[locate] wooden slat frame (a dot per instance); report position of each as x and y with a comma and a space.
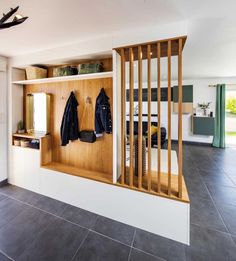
180, 96
123, 119
149, 115
174, 186
169, 117
164, 47
140, 118
131, 115
159, 117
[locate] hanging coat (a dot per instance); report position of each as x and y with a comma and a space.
70, 124
103, 121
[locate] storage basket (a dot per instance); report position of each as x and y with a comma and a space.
65, 71
24, 143
33, 73
85, 68
16, 142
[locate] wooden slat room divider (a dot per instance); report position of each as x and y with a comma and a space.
154, 181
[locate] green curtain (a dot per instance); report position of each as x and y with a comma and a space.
219, 136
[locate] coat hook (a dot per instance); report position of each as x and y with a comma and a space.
88, 100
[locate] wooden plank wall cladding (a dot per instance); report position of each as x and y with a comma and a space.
153, 181
96, 156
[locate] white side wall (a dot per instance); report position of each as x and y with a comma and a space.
201, 93
3, 118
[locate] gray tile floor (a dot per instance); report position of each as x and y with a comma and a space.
34, 227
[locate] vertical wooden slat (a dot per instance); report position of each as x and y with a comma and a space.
149, 115
180, 155
140, 120
169, 117
123, 118
159, 117
131, 115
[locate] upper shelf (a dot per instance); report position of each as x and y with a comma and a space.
67, 78
29, 135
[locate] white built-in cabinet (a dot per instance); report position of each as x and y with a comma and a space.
25, 168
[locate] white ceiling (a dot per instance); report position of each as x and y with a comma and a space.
210, 50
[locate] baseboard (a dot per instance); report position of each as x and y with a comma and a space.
194, 143
3, 183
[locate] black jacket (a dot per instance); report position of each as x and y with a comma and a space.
70, 124
103, 121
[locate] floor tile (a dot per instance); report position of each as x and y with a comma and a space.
17, 235
137, 255
223, 194
210, 245
228, 214
159, 246
230, 168
100, 248
204, 213
216, 177
233, 178
196, 188
10, 190
4, 258
191, 172
79, 216
50, 205
234, 239
9, 209
21, 194
205, 163
2, 197
115, 230
59, 241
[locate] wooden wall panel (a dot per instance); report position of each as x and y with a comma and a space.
97, 156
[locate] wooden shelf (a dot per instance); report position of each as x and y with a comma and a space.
67, 78
25, 148
164, 186
28, 135
94, 175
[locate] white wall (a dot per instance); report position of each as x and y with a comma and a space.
3, 118
201, 93
104, 44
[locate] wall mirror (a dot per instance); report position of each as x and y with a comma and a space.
38, 113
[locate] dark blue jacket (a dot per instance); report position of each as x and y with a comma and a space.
70, 124
103, 121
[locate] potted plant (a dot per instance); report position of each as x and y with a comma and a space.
204, 106
20, 127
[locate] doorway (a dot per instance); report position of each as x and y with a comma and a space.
230, 117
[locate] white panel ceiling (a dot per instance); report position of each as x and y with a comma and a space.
210, 50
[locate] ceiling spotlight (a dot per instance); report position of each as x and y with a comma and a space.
18, 19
